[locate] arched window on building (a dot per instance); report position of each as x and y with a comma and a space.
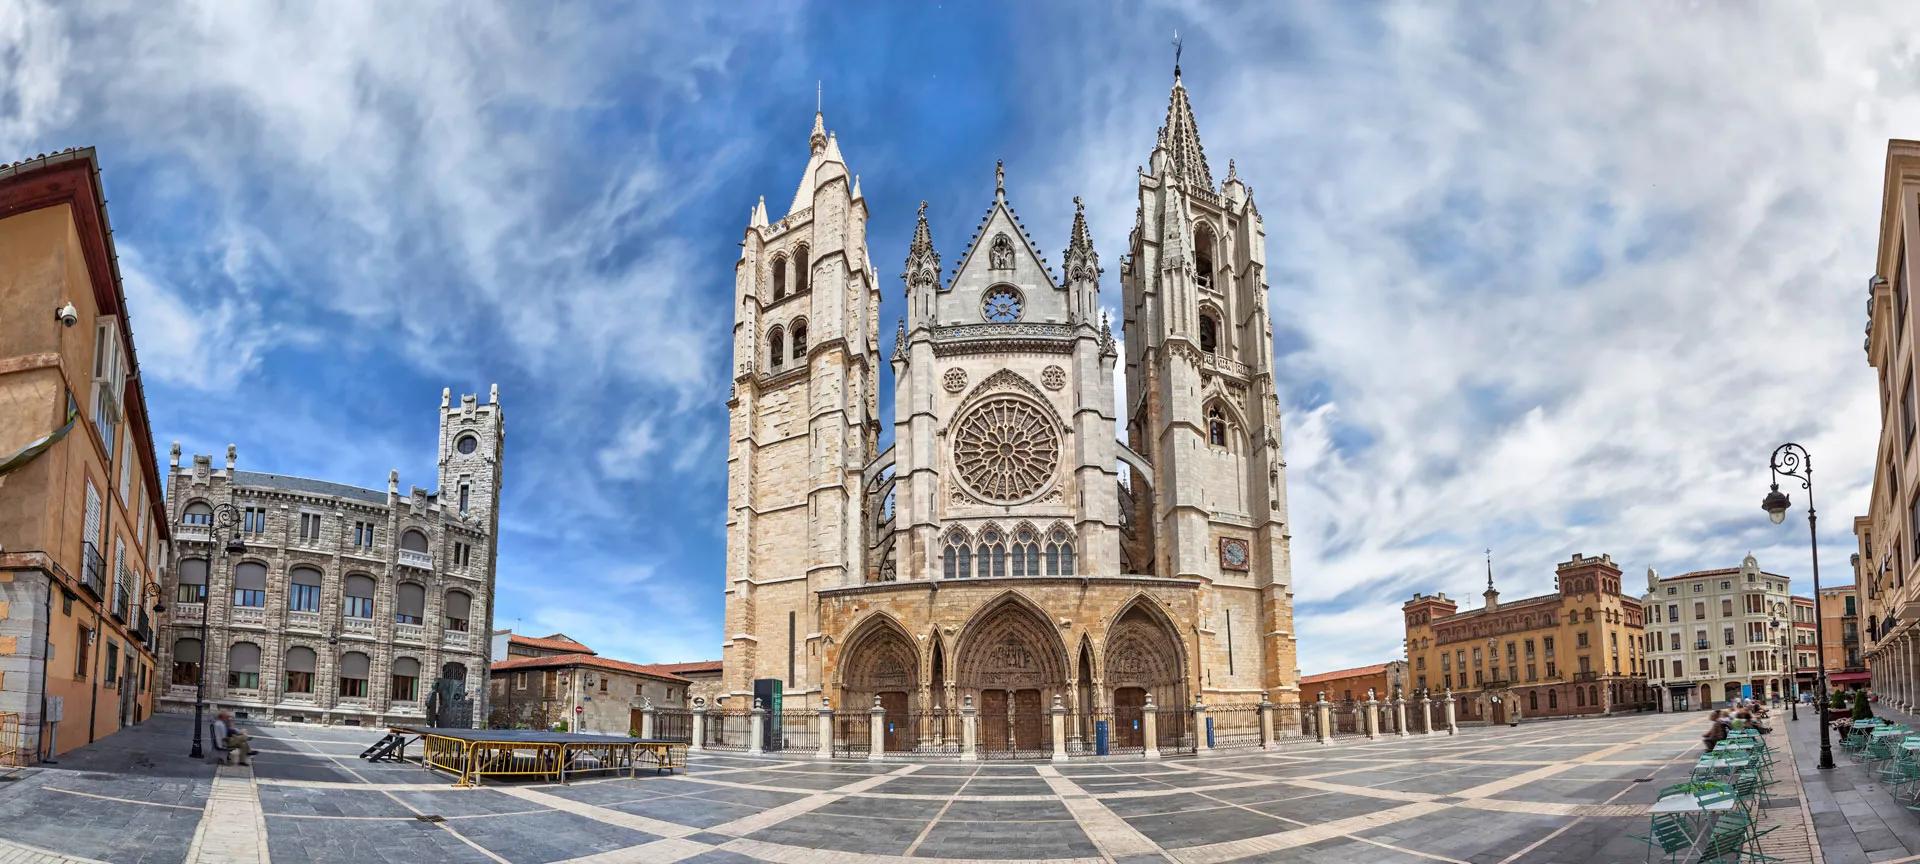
1059, 552
354, 668
406, 679
1026, 552
1553, 700
458, 608
186, 662
1203, 254
1216, 427
193, 582
800, 268
250, 584
992, 552
198, 513
243, 666
359, 597
1593, 695
779, 278
776, 347
1209, 333
300, 670
409, 603
957, 560
1533, 700
303, 590
1579, 698
799, 339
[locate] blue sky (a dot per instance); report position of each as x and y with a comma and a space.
1547, 279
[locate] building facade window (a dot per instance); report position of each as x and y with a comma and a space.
363, 535
186, 662
310, 526
253, 520
359, 597
353, 675
410, 603
459, 606
300, 663
250, 585
243, 666
406, 680
197, 513
303, 590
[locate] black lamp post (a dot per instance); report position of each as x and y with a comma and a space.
1792, 460
226, 517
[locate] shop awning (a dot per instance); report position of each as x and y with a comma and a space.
1850, 677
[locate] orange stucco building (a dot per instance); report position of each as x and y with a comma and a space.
80, 538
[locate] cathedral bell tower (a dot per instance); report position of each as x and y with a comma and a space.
1202, 409
803, 420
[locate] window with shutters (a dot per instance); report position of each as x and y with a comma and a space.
109, 381
410, 603
300, 660
193, 582
459, 605
127, 458
243, 666
359, 597
250, 585
186, 662
405, 679
303, 590
353, 675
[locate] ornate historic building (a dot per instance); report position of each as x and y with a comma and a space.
1577, 651
348, 604
1719, 635
1008, 550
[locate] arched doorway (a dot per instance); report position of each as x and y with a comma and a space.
1706, 696
879, 661
1010, 660
1143, 656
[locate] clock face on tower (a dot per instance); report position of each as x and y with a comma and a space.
1002, 305
1233, 553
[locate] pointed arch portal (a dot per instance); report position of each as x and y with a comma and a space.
1143, 657
881, 663
1011, 662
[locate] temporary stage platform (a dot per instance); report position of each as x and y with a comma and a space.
472, 755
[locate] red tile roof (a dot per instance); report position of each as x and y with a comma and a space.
1357, 671
555, 642
595, 661
697, 666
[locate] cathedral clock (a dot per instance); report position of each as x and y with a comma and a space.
1233, 553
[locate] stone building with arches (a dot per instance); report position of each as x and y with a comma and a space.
1019, 545
348, 604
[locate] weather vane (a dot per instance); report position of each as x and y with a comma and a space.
1176, 52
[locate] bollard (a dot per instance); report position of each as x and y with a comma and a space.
699, 725
1323, 718
1400, 713
1426, 714
1202, 742
1266, 723
1059, 729
757, 728
876, 732
1373, 716
1150, 728
826, 729
969, 733
1453, 725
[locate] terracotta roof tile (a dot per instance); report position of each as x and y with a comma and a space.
1357, 671
555, 642
695, 666
590, 660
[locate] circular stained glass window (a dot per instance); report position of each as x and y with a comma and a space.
1002, 305
1006, 450
467, 443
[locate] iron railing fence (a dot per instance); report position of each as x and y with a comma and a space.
673, 725
1236, 726
934, 734
852, 734
728, 730
797, 730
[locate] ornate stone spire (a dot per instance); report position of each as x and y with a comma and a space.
923, 263
1082, 262
999, 180
759, 217
900, 341
1106, 336
1181, 137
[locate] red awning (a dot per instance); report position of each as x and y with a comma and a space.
1850, 677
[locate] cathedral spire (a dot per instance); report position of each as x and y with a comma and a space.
1082, 262
923, 263
1181, 137
817, 141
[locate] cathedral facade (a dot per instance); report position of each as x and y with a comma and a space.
1009, 550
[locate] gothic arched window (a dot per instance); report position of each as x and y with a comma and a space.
992, 552
776, 347
799, 339
779, 278
1203, 254
1026, 553
800, 269
957, 560
1059, 553
1209, 333
1216, 427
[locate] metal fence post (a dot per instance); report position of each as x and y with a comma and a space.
756, 727
826, 729
1266, 723
1150, 727
877, 732
699, 741
1059, 729
1323, 718
969, 733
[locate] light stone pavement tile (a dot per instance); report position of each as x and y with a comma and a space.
21, 853
603, 814
775, 815
782, 854
1112, 835
232, 829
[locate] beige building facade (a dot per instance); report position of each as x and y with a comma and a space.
1887, 563
1009, 550
1720, 635
348, 605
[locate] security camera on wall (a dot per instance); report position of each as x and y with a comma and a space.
67, 315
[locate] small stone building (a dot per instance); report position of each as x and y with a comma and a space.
591, 693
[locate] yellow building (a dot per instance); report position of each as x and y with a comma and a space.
1578, 651
80, 535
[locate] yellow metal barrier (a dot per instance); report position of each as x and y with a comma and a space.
470, 761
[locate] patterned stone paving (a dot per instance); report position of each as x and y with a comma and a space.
1547, 791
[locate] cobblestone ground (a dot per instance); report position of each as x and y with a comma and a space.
1561, 791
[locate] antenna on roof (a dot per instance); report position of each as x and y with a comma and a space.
817, 103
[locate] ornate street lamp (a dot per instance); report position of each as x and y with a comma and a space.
226, 517
1792, 460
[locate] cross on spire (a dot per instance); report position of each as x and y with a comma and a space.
1176, 53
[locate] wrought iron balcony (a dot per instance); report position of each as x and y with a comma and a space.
93, 571
1586, 676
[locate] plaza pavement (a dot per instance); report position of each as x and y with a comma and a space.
1552, 791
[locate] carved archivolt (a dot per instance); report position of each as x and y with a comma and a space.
1011, 647
1141, 651
878, 659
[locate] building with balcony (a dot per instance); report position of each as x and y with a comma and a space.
1806, 665
1719, 635
348, 605
1843, 655
1575, 652
81, 530
1887, 584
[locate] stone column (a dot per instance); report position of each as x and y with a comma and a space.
1426, 714
1266, 723
757, 727
1059, 729
1323, 718
969, 731
1400, 713
1513, 709
1453, 725
1200, 742
699, 727
1150, 727
1373, 716
876, 732
647, 722
825, 750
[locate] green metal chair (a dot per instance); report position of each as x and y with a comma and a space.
1669, 835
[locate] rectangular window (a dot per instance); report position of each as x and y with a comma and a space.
1699, 611
309, 526
792, 633
303, 598
1580, 639
1850, 607
1678, 670
363, 535
299, 682
353, 688
1726, 607
254, 520
237, 680
113, 662
462, 553
358, 607
126, 473
1585, 665
1726, 636
1756, 605
519, 680
464, 492
403, 687
83, 650
1906, 412
1547, 643
109, 381
253, 597
1703, 665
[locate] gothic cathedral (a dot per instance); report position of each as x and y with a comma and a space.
1008, 551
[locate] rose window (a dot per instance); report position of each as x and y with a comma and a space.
1006, 450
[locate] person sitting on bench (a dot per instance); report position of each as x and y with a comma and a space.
226, 737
